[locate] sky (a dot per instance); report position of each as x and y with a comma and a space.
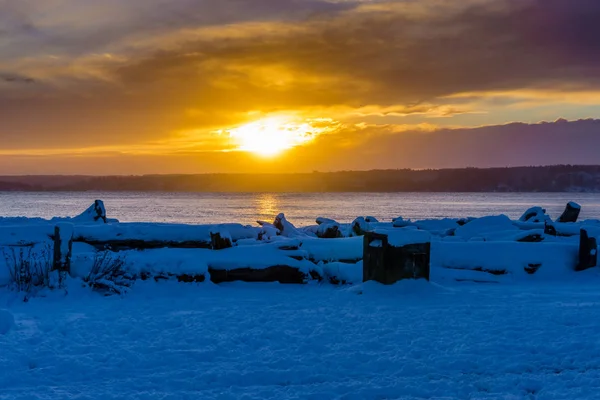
197, 86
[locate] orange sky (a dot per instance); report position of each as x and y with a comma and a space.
191, 86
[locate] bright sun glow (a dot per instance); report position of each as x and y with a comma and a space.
273, 135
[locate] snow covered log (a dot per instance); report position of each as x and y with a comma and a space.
323, 220
329, 230
141, 236
261, 262
571, 213
360, 226
95, 213
484, 227
535, 215
286, 228
278, 273
502, 260
390, 256
562, 229
347, 250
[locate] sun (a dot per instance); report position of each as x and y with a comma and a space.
271, 136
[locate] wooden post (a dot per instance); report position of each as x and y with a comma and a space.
374, 251
61, 262
588, 251
388, 263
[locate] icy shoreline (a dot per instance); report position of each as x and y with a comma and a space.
487, 249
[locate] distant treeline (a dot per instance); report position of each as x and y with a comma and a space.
559, 178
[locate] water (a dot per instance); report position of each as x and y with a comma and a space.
300, 208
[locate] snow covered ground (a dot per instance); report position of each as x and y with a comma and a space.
412, 340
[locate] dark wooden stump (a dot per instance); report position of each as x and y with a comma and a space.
588, 252
220, 241
389, 264
571, 213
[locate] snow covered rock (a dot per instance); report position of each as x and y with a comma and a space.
368, 218
7, 322
571, 213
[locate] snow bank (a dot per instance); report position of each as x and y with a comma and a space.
339, 272
7, 321
25, 234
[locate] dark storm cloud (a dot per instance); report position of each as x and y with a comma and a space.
387, 56
79, 26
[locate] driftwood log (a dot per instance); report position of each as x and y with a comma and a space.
278, 273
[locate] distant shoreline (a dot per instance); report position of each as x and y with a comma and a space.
551, 179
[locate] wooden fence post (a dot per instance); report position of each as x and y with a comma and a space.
588, 251
61, 262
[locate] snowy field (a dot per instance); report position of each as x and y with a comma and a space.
412, 340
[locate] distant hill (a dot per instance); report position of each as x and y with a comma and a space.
559, 178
